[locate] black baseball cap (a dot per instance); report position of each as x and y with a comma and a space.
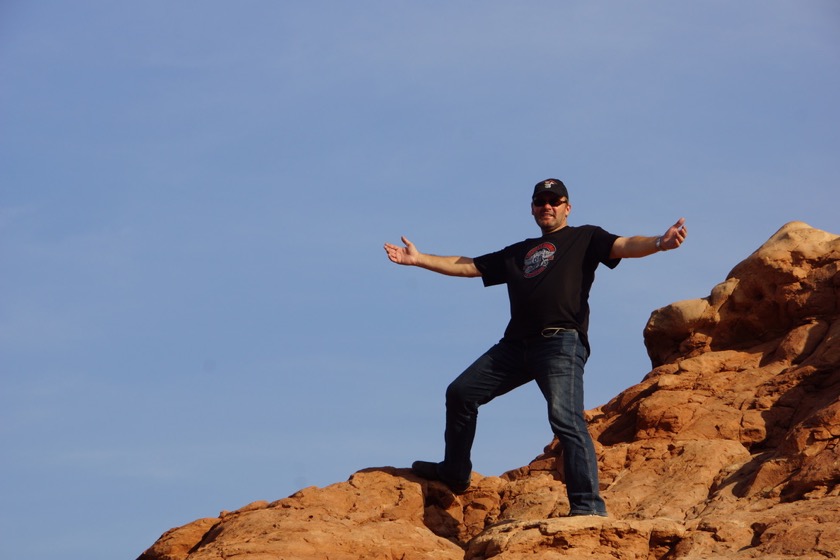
553, 186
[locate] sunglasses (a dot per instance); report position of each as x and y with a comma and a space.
553, 201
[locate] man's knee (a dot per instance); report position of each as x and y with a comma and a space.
460, 395
455, 393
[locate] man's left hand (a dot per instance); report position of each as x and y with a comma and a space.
674, 237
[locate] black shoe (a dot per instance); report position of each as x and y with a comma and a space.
429, 471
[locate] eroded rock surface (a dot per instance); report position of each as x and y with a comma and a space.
729, 448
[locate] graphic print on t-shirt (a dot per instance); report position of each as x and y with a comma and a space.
538, 258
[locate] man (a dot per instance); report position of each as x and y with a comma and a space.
548, 281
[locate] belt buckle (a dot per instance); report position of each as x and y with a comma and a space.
552, 331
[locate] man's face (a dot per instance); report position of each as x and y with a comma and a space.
550, 211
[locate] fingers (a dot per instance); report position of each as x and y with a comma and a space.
390, 250
675, 235
682, 231
400, 255
679, 232
391, 247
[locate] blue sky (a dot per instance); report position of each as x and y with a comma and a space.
197, 311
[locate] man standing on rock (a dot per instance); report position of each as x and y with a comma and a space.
548, 280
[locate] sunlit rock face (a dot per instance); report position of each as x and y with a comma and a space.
728, 448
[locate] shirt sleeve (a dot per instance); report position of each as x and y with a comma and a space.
601, 245
492, 268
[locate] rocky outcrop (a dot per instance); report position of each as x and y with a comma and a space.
729, 448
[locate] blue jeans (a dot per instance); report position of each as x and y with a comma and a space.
556, 363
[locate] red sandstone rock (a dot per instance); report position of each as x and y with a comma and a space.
729, 448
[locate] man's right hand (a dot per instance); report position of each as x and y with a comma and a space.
408, 255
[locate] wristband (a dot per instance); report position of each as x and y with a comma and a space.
659, 244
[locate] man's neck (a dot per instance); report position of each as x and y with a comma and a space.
555, 230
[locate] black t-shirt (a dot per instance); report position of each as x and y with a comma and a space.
549, 278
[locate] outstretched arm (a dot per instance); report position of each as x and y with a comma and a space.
451, 266
640, 246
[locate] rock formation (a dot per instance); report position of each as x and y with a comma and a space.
729, 448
